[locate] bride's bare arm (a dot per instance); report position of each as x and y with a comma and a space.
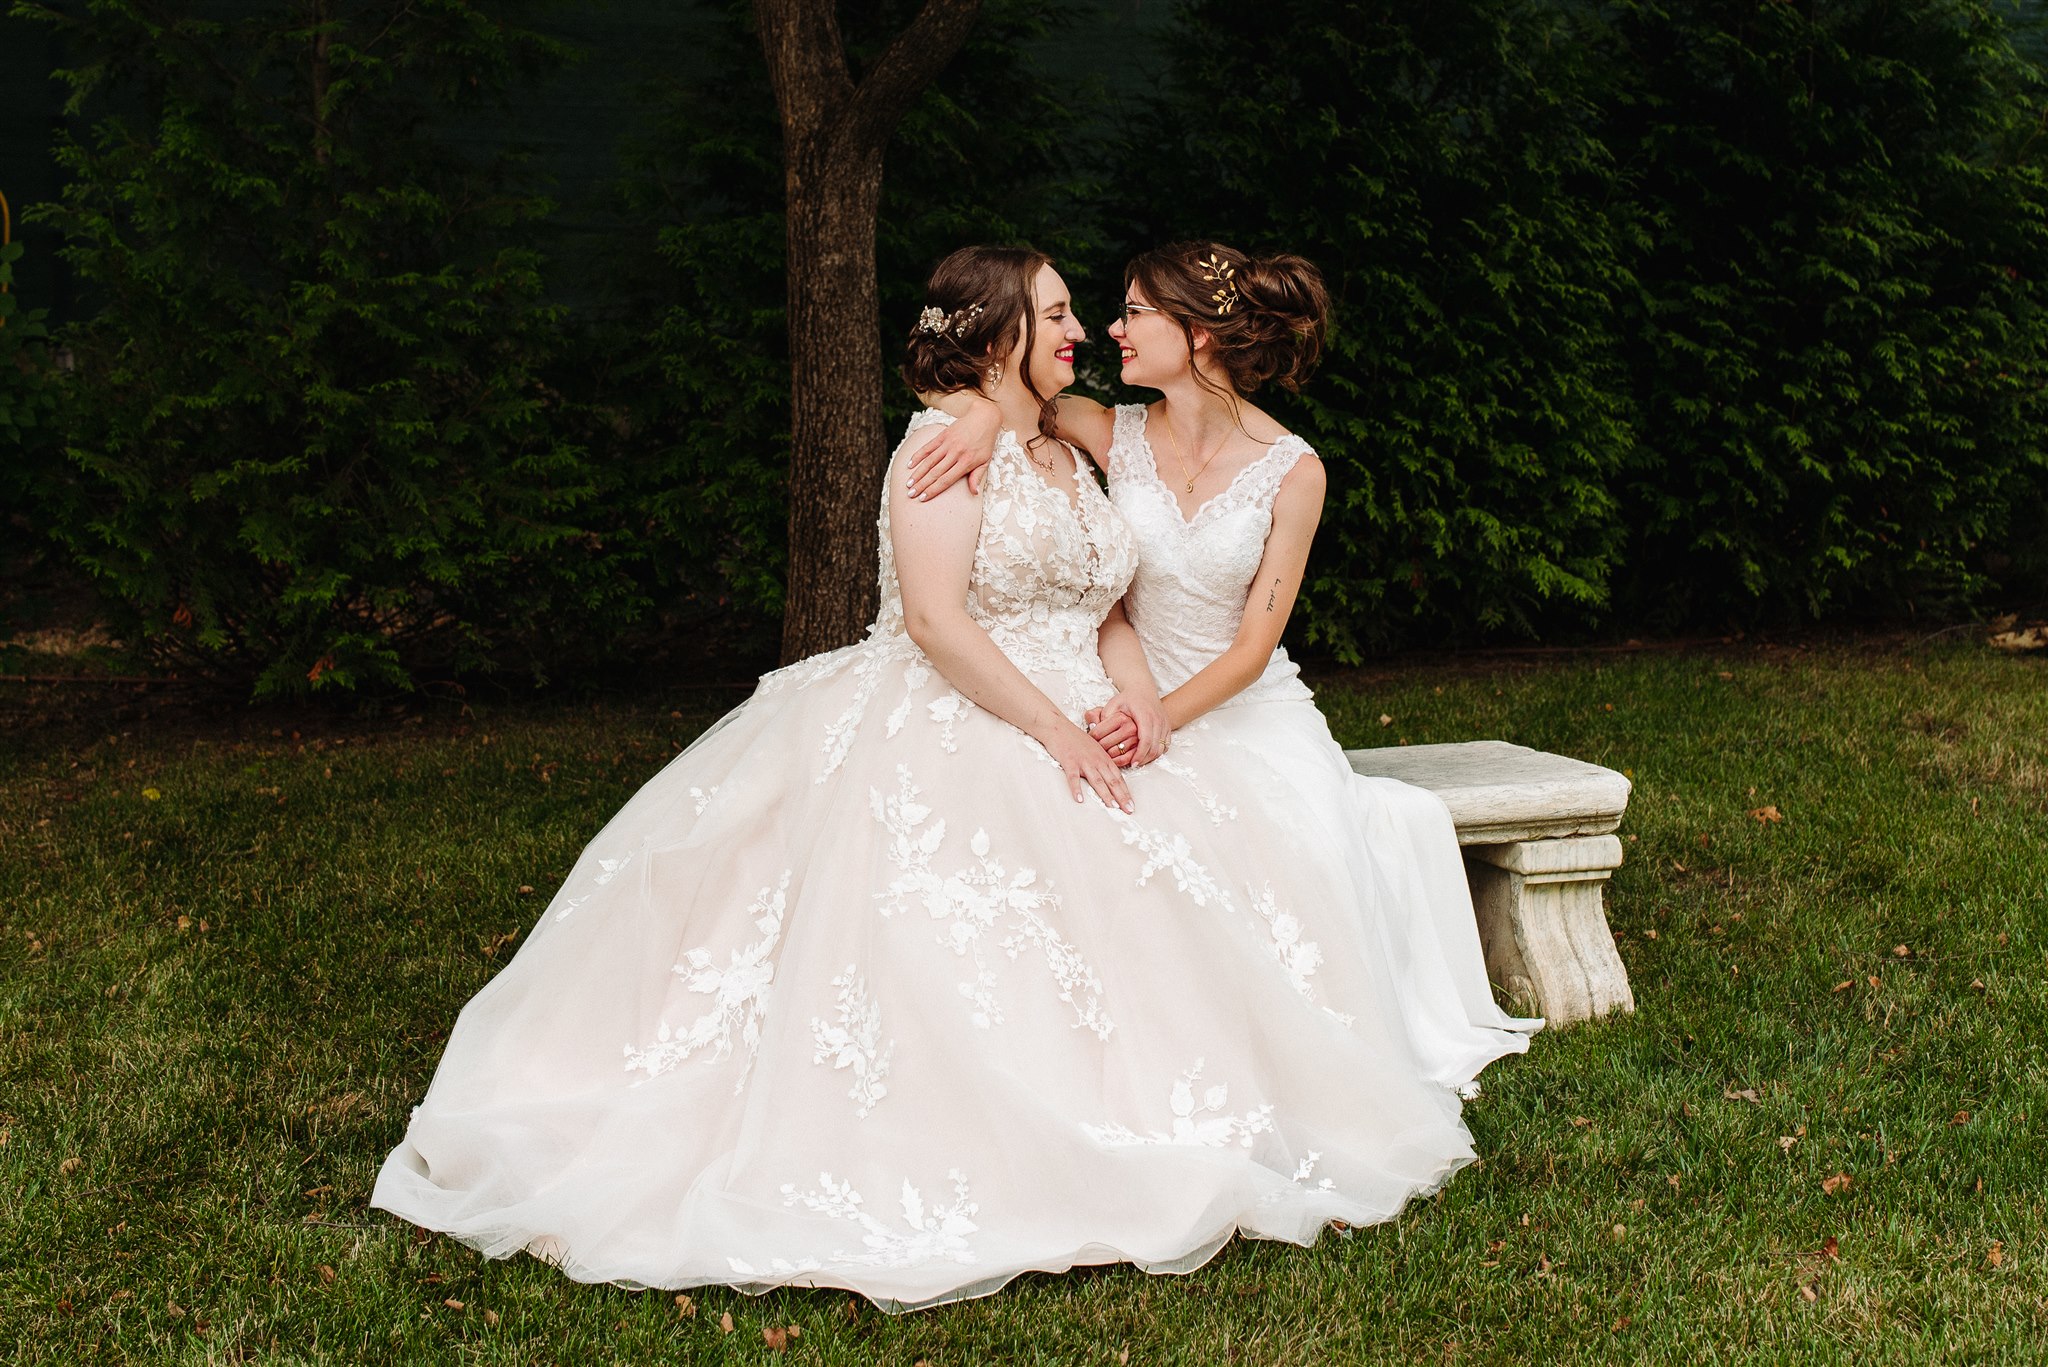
971, 441
934, 542
1132, 726
1296, 511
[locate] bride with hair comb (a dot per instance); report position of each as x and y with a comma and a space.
1224, 502
894, 980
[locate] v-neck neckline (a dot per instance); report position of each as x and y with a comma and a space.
1188, 520
1073, 500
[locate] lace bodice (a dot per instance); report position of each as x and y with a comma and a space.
1188, 596
1047, 568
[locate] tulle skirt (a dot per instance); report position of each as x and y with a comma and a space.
854, 994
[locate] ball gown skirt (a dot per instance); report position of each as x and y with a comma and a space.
854, 994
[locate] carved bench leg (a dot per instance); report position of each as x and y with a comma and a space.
1543, 924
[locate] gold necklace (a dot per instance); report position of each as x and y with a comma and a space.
1178, 459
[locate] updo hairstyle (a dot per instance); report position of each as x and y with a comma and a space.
972, 306
1266, 316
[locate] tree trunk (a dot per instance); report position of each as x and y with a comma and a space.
833, 136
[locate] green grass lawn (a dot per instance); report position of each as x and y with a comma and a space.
227, 967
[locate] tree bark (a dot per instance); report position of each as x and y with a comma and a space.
833, 134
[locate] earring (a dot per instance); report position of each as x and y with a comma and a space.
995, 375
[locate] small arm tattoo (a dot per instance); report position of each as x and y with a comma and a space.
1271, 594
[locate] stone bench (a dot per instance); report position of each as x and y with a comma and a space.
1538, 836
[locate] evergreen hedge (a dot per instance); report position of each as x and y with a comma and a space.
1665, 313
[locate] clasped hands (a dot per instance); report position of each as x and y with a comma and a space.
1131, 729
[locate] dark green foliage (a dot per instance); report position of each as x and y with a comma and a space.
1837, 347
1668, 312
309, 442
28, 394
1441, 164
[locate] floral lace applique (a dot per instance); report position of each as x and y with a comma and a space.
1298, 958
1047, 566
701, 797
938, 1232
1195, 1122
855, 1041
973, 901
607, 869
1219, 811
738, 992
1306, 1169
1170, 850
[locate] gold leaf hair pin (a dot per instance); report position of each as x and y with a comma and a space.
1220, 273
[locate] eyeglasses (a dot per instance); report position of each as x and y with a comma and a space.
1124, 314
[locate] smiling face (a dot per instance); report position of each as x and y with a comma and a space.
1151, 345
1049, 366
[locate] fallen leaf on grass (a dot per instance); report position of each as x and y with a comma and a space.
686, 1308
1872, 980
1994, 1256
1900, 951
1840, 1182
1579, 1120
175, 1310
1976, 984
491, 1319
1746, 1094
1786, 1141
1543, 1266
1649, 935
326, 1274
1673, 1180
1766, 814
1386, 720
525, 888
2022, 638
184, 923
1959, 1118
1807, 1293
1843, 986
69, 1166
1619, 1325
725, 1323
776, 1338
452, 1303
1831, 1248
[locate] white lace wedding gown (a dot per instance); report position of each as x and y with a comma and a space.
1408, 888
852, 993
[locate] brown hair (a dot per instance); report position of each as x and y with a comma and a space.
981, 293
1266, 316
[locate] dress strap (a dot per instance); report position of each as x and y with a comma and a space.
1128, 453
1261, 481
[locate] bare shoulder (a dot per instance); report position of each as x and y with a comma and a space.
1302, 489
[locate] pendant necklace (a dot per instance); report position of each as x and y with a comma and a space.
1178, 458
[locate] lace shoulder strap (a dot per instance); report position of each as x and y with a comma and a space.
1127, 454
1261, 481
923, 418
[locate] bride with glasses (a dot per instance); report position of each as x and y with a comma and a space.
1224, 502
895, 981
